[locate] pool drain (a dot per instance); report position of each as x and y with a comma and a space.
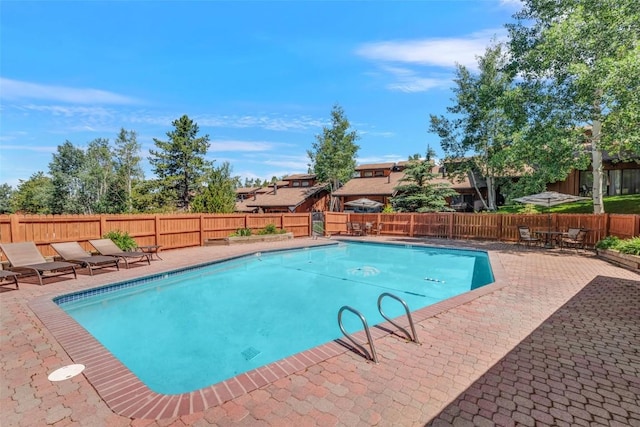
65, 372
250, 353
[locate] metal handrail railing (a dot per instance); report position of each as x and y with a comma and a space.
406, 308
373, 356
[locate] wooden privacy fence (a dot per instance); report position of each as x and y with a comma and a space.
486, 226
171, 231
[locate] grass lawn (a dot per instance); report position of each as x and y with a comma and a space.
629, 204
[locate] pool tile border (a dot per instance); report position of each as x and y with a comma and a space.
126, 395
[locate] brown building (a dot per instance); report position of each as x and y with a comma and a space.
295, 193
378, 182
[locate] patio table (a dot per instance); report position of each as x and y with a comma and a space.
550, 237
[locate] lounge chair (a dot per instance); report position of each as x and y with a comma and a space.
107, 247
73, 252
25, 258
524, 236
6, 277
574, 238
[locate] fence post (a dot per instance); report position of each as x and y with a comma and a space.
15, 226
499, 227
411, 225
103, 226
156, 226
452, 217
201, 228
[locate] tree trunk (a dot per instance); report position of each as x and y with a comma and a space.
596, 154
596, 164
491, 192
475, 185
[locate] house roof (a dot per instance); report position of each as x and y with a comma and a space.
385, 186
285, 196
299, 176
378, 186
375, 166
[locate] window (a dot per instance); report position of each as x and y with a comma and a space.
296, 183
379, 173
305, 183
614, 181
631, 181
368, 174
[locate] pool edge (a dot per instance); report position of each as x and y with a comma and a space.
126, 395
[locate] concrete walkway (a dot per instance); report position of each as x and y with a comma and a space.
463, 338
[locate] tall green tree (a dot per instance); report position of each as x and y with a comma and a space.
219, 195
180, 162
65, 169
418, 192
479, 132
98, 180
33, 196
587, 54
333, 155
127, 161
6, 191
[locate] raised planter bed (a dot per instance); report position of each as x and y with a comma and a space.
625, 260
248, 239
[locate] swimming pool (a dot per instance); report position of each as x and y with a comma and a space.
188, 330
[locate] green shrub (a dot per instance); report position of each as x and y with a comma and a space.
242, 232
609, 242
629, 246
121, 239
271, 229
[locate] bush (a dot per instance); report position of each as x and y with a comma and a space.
609, 242
242, 232
271, 229
629, 246
121, 239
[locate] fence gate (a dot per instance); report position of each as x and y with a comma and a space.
317, 219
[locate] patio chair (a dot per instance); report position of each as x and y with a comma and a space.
6, 277
107, 247
26, 259
73, 252
356, 228
524, 236
574, 238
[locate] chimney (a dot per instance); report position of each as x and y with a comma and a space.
255, 195
389, 179
275, 188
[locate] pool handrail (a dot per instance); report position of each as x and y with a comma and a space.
406, 309
373, 356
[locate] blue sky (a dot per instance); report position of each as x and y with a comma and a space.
260, 78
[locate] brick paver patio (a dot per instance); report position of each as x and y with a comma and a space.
462, 338
581, 367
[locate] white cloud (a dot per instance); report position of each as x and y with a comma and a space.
19, 90
36, 148
424, 64
407, 80
218, 146
439, 52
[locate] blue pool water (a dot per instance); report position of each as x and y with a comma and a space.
189, 330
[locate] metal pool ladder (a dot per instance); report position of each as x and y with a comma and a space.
373, 356
406, 309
